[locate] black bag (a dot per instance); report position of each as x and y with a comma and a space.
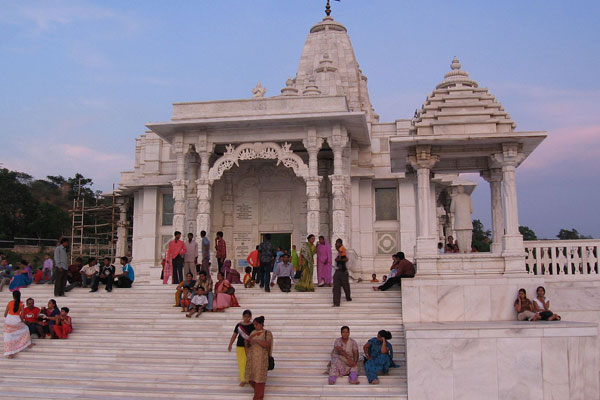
230, 291
271, 363
271, 359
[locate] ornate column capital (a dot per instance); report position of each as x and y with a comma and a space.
492, 175
423, 159
509, 157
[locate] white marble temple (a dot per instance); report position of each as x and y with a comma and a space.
554, 359
474, 368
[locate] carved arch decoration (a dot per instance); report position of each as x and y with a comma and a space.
259, 150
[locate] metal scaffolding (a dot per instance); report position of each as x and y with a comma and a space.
93, 228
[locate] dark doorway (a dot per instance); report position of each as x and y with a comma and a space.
283, 240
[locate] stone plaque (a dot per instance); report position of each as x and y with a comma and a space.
243, 211
243, 244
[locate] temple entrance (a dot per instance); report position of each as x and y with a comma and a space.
283, 240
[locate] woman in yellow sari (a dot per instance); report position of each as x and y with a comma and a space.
307, 265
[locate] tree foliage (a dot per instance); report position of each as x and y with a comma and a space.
481, 236
572, 234
528, 233
38, 208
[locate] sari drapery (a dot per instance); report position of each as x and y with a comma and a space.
324, 262
305, 284
378, 362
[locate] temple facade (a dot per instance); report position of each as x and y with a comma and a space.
316, 159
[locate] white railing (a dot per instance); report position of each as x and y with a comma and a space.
562, 257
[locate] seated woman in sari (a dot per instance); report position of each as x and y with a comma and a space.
344, 358
231, 274
378, 356
223, 300
307, 266
20, 278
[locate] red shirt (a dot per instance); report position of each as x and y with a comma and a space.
176, 248
221, 248
31, 314
253, 259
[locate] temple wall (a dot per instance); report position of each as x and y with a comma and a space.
489, 299
502, 360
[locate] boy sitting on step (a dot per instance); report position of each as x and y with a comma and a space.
248, 281
197, 306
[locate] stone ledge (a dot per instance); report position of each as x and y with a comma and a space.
470, 330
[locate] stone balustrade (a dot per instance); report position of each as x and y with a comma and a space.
562, 257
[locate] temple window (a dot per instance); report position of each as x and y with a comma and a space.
167, 209
386, 204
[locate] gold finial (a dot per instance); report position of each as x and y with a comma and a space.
328, 9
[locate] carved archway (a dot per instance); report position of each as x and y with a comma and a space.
251, 151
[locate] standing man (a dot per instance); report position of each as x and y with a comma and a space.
174, 259
340, 277
253, 262
60, 262
284, 272
191, 255
205, 248
266, 257
221, 248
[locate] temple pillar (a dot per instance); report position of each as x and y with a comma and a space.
203, 187
179, 186
422, 162
122, 228
227, 204
191, 198
494, 177
313, 144
324, 200
339, 184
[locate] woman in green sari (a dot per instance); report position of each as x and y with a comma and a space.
307, 254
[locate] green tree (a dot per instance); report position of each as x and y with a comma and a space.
481, 236
528, 233
17, 207
566, 234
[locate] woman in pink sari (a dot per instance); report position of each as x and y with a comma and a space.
223, 300
324, 262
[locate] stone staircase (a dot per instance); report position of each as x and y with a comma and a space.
132, 344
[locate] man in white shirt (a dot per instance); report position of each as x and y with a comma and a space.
284, 274
191, 256
88, 272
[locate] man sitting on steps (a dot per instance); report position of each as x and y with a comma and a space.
107, 273
404, 269
125, 278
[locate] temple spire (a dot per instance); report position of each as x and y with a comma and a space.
328, 9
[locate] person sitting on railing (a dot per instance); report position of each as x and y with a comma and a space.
541, 305
524, 307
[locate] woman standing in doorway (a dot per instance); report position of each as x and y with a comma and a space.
307, 254
259, 347
242, 332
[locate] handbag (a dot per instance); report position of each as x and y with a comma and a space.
271, 359
230, 291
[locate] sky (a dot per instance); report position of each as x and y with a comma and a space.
80, 79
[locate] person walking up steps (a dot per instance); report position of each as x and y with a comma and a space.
242, 332
340, 277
